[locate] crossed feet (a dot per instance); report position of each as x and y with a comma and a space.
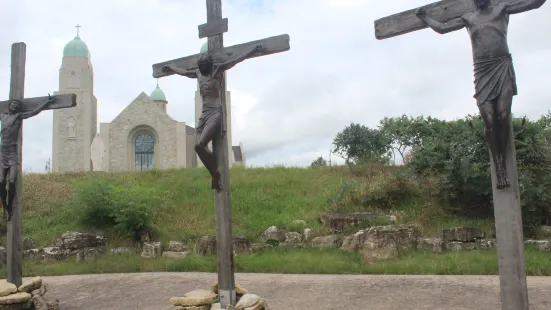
216, 181
502, 179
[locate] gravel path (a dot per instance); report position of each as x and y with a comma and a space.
151, 291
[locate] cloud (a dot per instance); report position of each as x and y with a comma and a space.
287, 107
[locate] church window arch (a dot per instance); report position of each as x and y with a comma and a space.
144, 151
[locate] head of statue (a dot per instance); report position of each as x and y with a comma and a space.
481, 4
205, 63
15, 106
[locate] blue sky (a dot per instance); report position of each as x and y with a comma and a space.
286, 107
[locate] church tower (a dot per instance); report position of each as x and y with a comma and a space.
75, 128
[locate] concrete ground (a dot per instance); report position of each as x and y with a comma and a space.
151, 291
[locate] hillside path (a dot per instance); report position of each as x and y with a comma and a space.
151, 291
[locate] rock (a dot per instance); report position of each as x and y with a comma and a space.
293, 237
28, 305
144, 235
241, 244
460, 246
239, 290
39, 303
216, 306
462, 234
354, 243
339, 221
31, 285
383, 242
17, 298
205, 307
273, 233
28, 243
257, 306
87, 253
123, 250
151, 249
206, 246
248, 300
201, 294
33, 254
53, 305
7, 288
299, 223
41, 291
542, 245
258, 247
73, 240
486, 244
307, 234
328, 241
285, 245
192, 301
176, 246
175, 255
55, 253
430, 244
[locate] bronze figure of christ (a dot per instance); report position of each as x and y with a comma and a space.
495, 82
210, 76
9, 157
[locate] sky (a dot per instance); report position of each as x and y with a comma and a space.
286, 107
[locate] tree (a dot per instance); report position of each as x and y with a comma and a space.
358, 143
319, 162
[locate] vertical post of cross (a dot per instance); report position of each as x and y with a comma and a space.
14, 242
224, 246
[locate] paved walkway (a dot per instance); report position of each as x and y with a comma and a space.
151, 291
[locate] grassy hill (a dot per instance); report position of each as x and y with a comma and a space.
180, 205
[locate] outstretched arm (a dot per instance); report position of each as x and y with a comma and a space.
39, 109
519, 6
441, 28
192, 74
232, 62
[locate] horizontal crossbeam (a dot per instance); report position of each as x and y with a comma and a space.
29, 104
213, 28
270, 45
407, 21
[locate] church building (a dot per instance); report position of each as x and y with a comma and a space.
142, 137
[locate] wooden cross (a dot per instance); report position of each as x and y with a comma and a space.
213, 29
17, 87
507, 210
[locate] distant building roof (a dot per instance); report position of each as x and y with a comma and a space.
237, 153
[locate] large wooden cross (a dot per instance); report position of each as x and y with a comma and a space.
17, 87
507, 210
214, 29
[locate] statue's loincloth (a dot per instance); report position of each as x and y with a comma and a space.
8, 155
491, 76
211, 114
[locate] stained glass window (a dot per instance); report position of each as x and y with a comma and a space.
144, 151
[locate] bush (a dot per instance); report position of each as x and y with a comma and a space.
128, 210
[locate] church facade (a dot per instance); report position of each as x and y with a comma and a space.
142, 137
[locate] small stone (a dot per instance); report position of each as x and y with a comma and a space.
201, 294
176, 246
192, 301
248, 300
7, 288
175, 255
31, 285
307, 234
293, 237
273, 233
39, 303
328, 241
151, 249
17, 298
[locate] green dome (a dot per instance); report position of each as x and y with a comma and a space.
157, 95
204, 47
76, 48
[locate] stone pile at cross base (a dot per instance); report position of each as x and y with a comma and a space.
30, 295
207, 300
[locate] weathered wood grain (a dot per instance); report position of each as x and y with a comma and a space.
213, 28
28, 104
407, 21
270, 45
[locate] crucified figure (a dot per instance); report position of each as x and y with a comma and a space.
495, 81
210, 77
9, 156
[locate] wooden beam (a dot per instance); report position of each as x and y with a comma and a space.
15, 238
270, 45
407, 21
213, 28
28, 104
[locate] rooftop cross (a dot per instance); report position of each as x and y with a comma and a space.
78, 28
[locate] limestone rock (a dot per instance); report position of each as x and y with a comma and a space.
430, 244
354, 243
192, 301
460, 246
486, 243
73, 240
175, 255
207, 245
33, 254
151, 249
273, 233
293, 237
123, 250
241, 244
56, 253
87, 253
339, 221
205, 307
28, 243
216, 306
201, 294
41, 291
39, 303
28, 305
542, 245
299, 223
258, 247
31, 285
7, 288
53, 304
287, 245
383, 242
328, 241
258, 306
307, 234
248, 300
17, 298
176, 246
462, 234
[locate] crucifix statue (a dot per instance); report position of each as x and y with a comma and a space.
495, 87
209, 68
12, 114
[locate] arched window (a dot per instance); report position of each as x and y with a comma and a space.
144, 151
